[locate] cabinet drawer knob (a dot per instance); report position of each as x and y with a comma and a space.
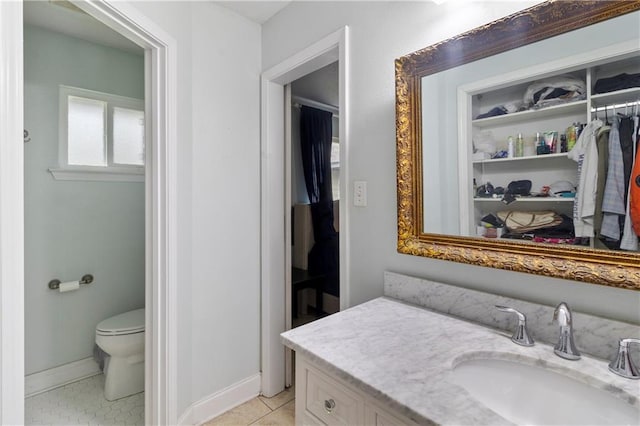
329, 405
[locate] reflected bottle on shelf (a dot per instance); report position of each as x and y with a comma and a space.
571, 136
541, 146
520, 146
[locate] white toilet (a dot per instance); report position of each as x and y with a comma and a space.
122, 338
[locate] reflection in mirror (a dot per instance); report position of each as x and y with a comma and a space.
472, 113
503, 137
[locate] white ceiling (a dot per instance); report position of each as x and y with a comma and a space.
62, 17
321, 85
257, 11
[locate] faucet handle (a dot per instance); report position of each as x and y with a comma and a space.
622, 364
565, 348
562, 315
521, 334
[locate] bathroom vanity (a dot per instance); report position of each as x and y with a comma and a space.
327, 399
390, 362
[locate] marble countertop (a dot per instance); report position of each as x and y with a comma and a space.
402, 355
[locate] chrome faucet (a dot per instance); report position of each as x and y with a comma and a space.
565, 348
622, 364
520, 335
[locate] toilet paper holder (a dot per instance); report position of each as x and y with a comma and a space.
86, 279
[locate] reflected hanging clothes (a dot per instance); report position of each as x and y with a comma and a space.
613, 202
627, 145
585, 153
634, 186
602, 145
629, 239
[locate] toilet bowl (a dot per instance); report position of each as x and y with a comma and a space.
121, 337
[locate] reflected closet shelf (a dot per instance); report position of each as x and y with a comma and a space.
528, 158
526, 200
532, 114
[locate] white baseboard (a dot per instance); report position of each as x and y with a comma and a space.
214, 405
59, 376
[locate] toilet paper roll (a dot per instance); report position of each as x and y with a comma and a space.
69, 286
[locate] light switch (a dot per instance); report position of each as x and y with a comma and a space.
360, 193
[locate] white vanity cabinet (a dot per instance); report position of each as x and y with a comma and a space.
541, 170
323, 399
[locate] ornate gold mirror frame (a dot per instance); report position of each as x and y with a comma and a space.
611, 268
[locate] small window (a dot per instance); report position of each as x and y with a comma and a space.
128, 136
101, 136
86, 132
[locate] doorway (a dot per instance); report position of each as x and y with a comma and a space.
312, 160
84, 214
314, 293
275, 196
160, 208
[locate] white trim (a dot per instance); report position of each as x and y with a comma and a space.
332, 48
59, 376
161, 200
108, 174
288, 354
11, 215
272, 239
224, 400
345, 188
465, 198
124, 101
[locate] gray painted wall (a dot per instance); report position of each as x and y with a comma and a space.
379, 33
74, 228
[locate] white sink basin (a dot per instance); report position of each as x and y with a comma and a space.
531, 395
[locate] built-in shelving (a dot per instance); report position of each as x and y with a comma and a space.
532, 114
527, 158
616, 98
526, 200
542, 170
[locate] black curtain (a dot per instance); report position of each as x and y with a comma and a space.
315, 139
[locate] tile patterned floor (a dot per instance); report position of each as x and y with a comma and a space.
260, 411
83, 403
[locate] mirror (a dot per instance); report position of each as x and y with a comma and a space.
441, 90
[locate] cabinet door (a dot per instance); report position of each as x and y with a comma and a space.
324, 400
375, 416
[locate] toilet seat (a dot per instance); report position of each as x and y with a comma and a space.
127, 323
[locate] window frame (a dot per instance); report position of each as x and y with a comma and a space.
111, 171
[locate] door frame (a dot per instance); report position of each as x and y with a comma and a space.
329, 49
11, 215
160, 207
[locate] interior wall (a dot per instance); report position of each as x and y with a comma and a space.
74, 228
380, 32
226, 198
